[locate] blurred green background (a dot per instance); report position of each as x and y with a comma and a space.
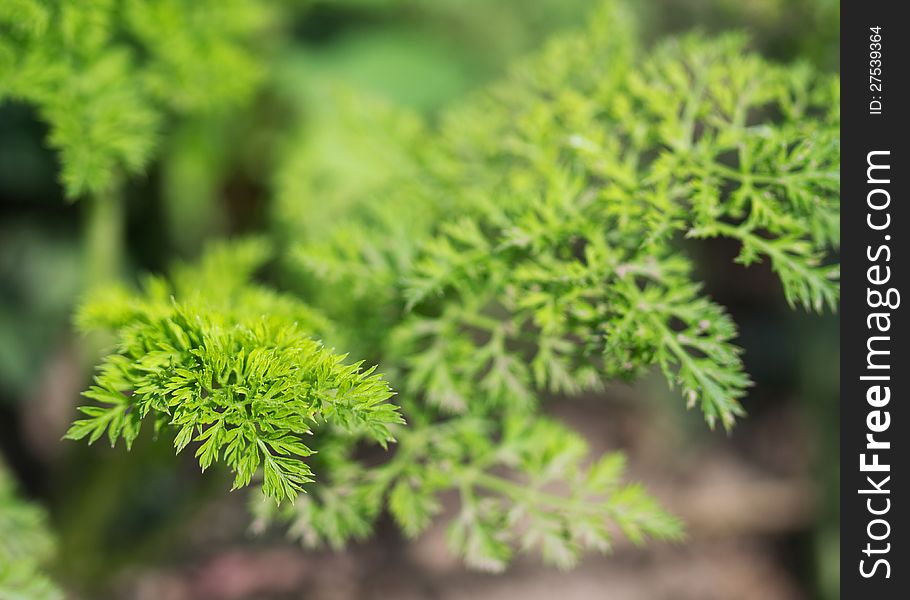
137, 525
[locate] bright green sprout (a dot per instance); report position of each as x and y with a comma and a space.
234, 369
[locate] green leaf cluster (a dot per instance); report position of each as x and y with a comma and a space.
104, 75
532, 245
232, 369
536, 246
543, 246
524, 483
25, 545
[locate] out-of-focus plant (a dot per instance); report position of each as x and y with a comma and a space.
105, 75
528, 247
25, 545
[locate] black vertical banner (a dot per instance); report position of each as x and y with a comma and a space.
875, 224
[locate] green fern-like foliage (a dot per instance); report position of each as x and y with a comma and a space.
575, 220
573, 184
25, 545
525, 482
539, 252
105, 75
230, 367
528, 248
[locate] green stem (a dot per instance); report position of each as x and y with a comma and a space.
767, 248
103, 237
519, 493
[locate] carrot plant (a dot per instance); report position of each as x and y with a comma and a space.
527, 248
